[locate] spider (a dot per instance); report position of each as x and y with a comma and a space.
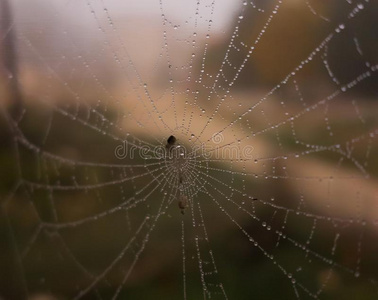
170, 142
171, 146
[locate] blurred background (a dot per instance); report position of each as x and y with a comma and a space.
294, 80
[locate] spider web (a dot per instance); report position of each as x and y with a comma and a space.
269, 189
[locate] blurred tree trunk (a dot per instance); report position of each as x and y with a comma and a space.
11, 274
8, 57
